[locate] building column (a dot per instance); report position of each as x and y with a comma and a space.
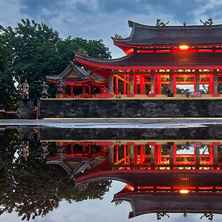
174, 154
152, 156
131, 84
90, 91
211, 153
125, 85
128, 85
110, 84
197, 82
197, 155
125, 153
117, 153
131, 152
116, 86
157, 154
215, 154
171, 153
142, 85
142, 153
173, 83
135, 154
135, 84
152, 84
111, 154
215, 83
158, 83
211, 84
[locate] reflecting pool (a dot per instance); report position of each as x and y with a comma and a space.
128, 174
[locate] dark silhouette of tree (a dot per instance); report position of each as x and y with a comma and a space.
35, 50
32, 188
7, 89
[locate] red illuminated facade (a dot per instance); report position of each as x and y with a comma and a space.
163, 200
75, 82
159, 61
162, 177
140, 162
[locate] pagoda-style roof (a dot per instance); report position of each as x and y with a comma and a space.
153, 177
171, 35
77, 73
72, 71
155, 60
170, 202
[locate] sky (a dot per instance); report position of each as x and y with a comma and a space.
103, 210
101, 19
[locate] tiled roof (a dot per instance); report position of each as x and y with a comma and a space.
158, 59
172, 35
79, 72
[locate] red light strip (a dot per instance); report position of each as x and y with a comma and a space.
179, 50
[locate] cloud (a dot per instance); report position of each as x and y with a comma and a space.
210, 8
179, 10
101, 19
42, 8
9, 12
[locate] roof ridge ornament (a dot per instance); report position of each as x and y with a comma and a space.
117, 36
208, 22
161, 24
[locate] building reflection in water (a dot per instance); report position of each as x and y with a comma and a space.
160, 176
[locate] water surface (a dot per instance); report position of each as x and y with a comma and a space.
111, 174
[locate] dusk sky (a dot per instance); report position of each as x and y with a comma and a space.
101, 19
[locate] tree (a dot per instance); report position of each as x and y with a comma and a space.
69, 46
36, 50
32, 52
30, 187
7, 89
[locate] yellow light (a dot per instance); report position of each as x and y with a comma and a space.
184, 47
184, 191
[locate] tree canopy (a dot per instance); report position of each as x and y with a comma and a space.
32, 188
33, 50
7, 89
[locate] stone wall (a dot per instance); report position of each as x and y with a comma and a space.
212, 132
129, 108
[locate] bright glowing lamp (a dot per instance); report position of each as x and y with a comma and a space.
184, 191
184, 47
130, 188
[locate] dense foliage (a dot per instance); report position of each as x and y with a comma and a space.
29, 186
32, 50
7, 89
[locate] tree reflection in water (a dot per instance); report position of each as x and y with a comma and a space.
32, 188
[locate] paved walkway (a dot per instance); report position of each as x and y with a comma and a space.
114, 122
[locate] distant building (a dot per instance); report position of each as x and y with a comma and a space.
75, 82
